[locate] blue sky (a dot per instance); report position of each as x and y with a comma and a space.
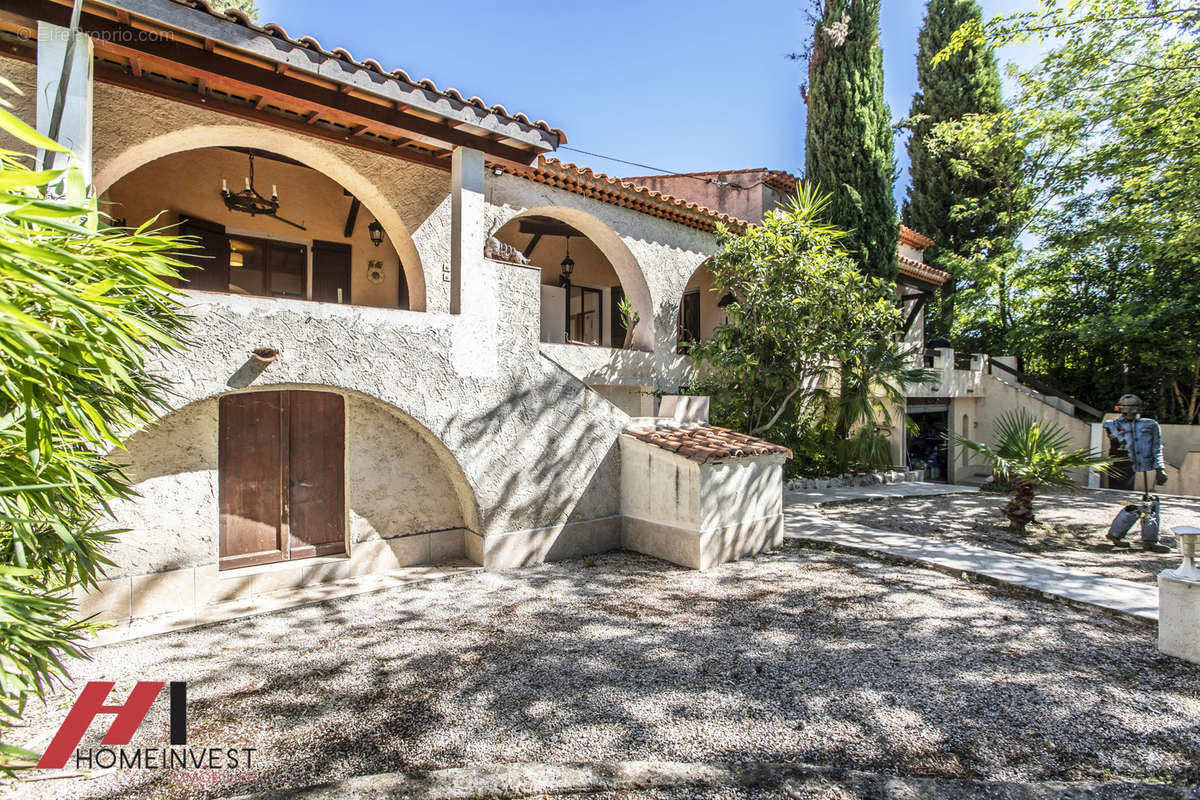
682, 85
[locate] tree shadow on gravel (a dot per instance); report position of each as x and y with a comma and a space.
793, 656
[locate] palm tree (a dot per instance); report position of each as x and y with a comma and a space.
870, 380
1029, 455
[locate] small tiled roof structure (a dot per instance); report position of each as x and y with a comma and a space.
707, 443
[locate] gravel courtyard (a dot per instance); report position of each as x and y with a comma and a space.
798, 655
1070, 528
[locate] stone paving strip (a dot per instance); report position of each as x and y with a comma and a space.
270, 602
858, 494
807, 525
768, 780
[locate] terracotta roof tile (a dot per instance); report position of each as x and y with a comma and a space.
276, 31
781, 181
915, 269
705, 443
914, 239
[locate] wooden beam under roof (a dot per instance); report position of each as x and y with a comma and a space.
175, 57
351, 217
544, 226
248, 112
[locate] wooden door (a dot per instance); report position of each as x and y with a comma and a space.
331, 272
251, 462
317, 482
281, 476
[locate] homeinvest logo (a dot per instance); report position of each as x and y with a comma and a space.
91, 703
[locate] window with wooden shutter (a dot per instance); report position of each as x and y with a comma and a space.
331, 272
282, 474
689, 318
210, 256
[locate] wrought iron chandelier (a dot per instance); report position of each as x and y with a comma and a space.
249, 201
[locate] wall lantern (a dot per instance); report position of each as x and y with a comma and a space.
568, 263
376, 231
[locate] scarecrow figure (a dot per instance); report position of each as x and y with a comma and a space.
1141, 439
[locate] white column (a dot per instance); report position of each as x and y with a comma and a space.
466, 225
1096, 444
75, 129
1178, 617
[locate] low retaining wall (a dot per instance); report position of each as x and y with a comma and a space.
870, 479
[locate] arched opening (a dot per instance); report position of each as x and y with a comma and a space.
702, 307
586, 272
183, 174
403, 487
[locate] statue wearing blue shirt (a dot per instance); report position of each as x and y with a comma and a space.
1141, 437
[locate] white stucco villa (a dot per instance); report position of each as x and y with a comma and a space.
411, 352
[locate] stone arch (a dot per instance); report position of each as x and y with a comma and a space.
308, 152
191, 428
609, 243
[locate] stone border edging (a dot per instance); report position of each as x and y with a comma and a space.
532, 779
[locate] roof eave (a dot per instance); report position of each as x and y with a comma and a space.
305, 61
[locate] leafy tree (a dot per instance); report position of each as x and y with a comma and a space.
849, 148
1030, 455
802, 312
956, 208
1107, 124
249, 7
80, 311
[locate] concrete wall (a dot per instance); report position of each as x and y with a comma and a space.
699, 515
739, 194
996, 399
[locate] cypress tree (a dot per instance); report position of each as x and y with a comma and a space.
849, 148
966, 83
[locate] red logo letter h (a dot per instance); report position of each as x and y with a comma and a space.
91, 703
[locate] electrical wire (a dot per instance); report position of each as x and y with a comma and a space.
660, 169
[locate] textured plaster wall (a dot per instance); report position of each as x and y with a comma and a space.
397, 484
536, 447
24, 105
